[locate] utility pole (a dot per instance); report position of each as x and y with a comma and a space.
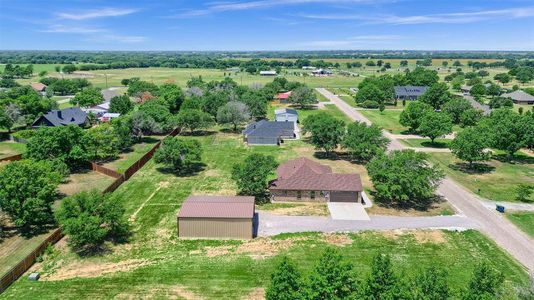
106, 76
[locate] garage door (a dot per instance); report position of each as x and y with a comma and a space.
343, 197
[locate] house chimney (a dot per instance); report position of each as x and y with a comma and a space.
60, 114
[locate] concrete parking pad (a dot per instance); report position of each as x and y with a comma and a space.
347, 211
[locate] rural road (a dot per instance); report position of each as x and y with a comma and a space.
270, 224
488, 221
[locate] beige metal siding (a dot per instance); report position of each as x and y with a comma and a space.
217, 228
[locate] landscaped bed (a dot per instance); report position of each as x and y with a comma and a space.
495, 180
523, 220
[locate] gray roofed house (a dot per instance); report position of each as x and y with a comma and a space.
520, 97
409, 92
62, 117
286, 115
486, 110
268, 132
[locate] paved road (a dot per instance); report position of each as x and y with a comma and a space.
502, 231
275, 224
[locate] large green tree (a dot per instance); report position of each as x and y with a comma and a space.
234, 113
172, 95
485, 283
437, 95
364, 142
404, 178
28, 189
506, 130
413, 115
456, 107
470, 145
332, 278
431, 284
102, 142
381, 283
65, 143
90, 218
121, 104
179, 153
286, 282
303, 96
326, 131
435, 124
193, 119
251, 175
88, 97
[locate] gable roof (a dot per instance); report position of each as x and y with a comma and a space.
519, 95
285, 111
235, 207
266, 128
305, 174
38, 86
282, 96
67, 116
409, 90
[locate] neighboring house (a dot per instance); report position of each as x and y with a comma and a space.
286, 115
486, 109
269, 132
98, 110
466, 89
283, 97
217, 217
302, 179
322, 72
39, 87
62, 117
108, 117
409, 92
308, 68
520, 97
267, 73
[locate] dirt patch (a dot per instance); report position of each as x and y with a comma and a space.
163, 184
426, 236
212, 173
300, 209
218, 251
255, 294
264, 247
79, 182
94, 269
337, 239
159, 292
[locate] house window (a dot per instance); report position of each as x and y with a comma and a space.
312, 195
285, 193
299, 194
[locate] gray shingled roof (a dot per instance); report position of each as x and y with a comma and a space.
108, 94
410, 90
486, 110
266, 128
519, 95
67, 116
285, 111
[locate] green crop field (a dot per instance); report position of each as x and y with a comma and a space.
155, 263
523, 220
498, 181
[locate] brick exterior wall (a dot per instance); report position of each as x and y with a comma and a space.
305, 196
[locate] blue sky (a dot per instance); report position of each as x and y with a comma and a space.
267, 25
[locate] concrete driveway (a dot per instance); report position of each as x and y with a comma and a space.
347, 211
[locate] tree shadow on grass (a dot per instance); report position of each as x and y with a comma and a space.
440, 145
518, 158
422, 204
192, 170
231, 130
474, 168
198, 133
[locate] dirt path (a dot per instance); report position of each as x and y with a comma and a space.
496, 226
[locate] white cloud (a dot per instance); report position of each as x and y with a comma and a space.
360, 41
447, 18
119, 38
215, 7
96, 13
71, 29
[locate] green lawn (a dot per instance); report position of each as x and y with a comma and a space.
426, 143
498, 182
158, 263
388, 119
523, 220
126, 159
9, 148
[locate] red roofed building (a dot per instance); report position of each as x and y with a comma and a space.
283, 97
39, 87
303, 179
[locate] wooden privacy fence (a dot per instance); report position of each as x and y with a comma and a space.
29, 260
56, 235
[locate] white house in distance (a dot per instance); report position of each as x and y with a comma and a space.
322, 72
102, 108
286, 115
267, 73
